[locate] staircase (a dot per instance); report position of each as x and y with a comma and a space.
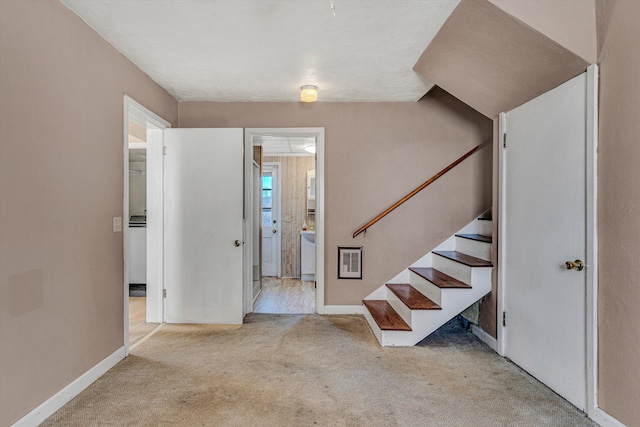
434, 289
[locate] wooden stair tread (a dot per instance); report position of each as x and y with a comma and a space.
465, 259
411, 297
385, 316
477, 237
438, 278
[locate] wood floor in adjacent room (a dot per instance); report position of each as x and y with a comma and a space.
307, 370
286, 296
138, 326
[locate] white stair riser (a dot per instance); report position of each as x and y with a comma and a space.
474, 248
447, 245
378, 294
399, 306
402, 277
372, 324
452, 268
426, 288
485, 227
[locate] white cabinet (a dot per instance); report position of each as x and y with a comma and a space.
308, 256
137, 255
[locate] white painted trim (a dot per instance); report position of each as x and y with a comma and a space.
58, 400
604, 419
485, 337
136, 112
343, 309
592, 239
318, 134
502, 225
320, 216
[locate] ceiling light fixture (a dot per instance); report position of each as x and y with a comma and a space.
309, 93
310, 148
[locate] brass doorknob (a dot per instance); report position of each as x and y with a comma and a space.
274, 231
236, 243
574, 265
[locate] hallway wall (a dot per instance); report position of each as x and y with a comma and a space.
61, 181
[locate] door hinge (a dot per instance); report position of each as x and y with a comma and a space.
164, 293
504, 140
164, 150
504, 318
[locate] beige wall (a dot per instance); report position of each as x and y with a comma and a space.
493, 62
619, 210
376, 153
61, 178
570, 23
293, 178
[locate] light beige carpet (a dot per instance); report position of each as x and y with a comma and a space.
307, 370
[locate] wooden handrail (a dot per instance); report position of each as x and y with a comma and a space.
417, 190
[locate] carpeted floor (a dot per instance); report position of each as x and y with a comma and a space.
307, 370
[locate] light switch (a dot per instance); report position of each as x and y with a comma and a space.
117, 224
286, 218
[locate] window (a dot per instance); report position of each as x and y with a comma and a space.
267, 199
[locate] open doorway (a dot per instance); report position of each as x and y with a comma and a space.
285, 276
142, 219
137, 233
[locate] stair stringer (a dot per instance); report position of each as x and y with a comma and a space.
452, 300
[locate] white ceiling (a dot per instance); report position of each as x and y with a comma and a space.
264, 50
285, 145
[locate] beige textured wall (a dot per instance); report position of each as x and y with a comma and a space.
493, 62
619, 210
376, 153
570, 23
293, 178
61, 177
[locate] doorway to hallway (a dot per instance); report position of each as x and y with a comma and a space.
289, 211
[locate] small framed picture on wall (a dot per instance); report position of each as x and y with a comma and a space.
349, 263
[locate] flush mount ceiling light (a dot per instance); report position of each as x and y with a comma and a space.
310, 148
309, 93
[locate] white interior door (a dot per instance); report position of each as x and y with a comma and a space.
203, 196
270, 220
543, 226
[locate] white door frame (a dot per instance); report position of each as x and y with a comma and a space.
318, 134
277, 201
591, 260
155, 125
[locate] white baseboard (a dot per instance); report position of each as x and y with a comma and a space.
58, 400
485, 337
604, 419
342, 309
